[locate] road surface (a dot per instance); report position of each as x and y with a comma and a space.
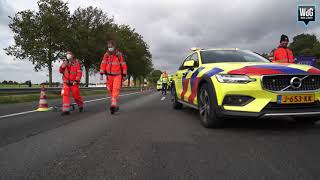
150, 140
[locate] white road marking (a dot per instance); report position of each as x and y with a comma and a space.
50, 108
16, 114
163, 98
94, 100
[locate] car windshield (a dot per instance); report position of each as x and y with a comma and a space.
217, 56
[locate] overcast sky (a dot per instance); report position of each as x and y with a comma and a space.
172, 27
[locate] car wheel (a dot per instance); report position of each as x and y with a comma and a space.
174, 98
306, 120
207, 108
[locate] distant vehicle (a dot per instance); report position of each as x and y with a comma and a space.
159, 85
237, 83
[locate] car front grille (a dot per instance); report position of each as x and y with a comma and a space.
282, 82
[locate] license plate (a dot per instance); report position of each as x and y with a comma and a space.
296, 98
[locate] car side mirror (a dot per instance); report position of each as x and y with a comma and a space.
189, 64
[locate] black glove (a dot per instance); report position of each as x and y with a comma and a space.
124, 77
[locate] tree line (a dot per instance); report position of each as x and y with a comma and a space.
10, 82
44, 36
29, 83
305, 45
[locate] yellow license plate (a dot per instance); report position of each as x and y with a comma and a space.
296, 98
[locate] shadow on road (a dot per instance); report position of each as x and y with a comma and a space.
285, 124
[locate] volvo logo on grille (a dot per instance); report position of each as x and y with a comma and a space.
295, 82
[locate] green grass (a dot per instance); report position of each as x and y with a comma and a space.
24, 98
8, 99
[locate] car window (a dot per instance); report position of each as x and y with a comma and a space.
196, 59
216, 56
187, 59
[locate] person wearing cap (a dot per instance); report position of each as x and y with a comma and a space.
115, 68
71, 71
283, 54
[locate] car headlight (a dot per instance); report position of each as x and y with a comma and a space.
227, 78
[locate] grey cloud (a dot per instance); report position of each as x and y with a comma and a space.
5, 11
255, 25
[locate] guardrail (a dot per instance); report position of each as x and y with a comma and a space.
12, 91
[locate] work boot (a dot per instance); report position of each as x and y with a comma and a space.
80, 109
65, 113
113, 109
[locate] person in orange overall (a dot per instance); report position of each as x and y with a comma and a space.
72, 74
283, 54
115, 69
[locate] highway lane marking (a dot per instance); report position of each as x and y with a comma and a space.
163, 98
16, 114
94, 100
50, 108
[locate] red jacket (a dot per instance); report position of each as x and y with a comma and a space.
113, 64
72, 72
283, 54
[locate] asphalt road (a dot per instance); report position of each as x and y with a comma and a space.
149, 140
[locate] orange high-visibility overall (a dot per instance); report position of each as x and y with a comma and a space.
71, 73
114, 66
284, 54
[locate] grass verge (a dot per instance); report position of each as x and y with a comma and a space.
8, 99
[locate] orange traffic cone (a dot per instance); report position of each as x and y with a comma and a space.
43, 104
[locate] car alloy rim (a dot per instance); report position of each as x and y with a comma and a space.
204, 105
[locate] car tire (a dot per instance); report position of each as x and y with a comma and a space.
306, 120
174, 98
207, 103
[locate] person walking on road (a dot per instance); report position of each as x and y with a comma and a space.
164, 79
71, 71
283, 54
114, 67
